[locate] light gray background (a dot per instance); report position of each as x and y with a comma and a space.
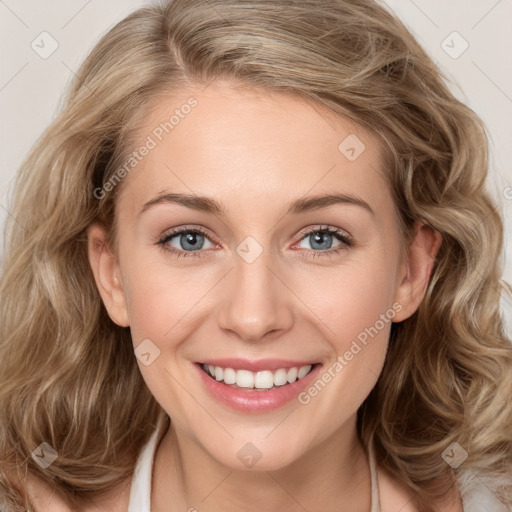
31, 87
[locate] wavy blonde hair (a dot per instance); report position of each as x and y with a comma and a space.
68, 375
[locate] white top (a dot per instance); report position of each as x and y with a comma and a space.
140, 490
476, 496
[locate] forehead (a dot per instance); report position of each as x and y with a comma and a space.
236, 144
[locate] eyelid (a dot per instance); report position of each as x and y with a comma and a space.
188, 229
323, 228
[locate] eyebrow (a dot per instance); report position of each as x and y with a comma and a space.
301, 205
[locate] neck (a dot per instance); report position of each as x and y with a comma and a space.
333, 473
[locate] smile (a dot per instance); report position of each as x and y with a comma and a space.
262, 380
256, 386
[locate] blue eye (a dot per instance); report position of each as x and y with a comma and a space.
321, 241
187, 240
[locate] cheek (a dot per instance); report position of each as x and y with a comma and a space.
164, 306
350, 299
159, 299
355, 308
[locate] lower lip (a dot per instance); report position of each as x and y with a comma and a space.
256, 401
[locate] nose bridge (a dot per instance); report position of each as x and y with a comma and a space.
256, 302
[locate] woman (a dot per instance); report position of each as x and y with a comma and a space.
262, 221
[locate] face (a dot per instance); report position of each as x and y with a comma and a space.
258, 241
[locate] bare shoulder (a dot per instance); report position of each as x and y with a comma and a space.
45, 498
395, 496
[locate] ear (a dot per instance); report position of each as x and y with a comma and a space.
107, 274
416, 269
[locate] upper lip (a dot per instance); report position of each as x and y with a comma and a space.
255, 365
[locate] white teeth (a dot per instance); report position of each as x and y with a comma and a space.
229, 376
244, 378
291, 376
303, 371
265, 379
280, 377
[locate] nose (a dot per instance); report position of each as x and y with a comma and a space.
257, 304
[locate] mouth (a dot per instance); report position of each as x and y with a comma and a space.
264, 380
265, 387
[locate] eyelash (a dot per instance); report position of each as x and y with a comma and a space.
337, 233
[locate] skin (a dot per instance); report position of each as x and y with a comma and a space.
255, 153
